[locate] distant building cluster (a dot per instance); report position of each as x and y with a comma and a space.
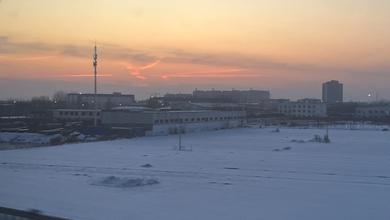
196, 111
230, 96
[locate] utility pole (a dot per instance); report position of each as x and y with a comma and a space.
326, 137
376, 96
180, 148
95, 88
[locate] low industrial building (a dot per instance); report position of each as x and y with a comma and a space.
103, 101
236, 96
76, 114
305, 108
173, 122
373, 111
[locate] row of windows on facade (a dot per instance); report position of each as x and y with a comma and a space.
298, 106
374, 112
181, 120
78, 113
299, 111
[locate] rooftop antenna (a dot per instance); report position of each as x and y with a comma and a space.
95, 84
371, 96
376, 96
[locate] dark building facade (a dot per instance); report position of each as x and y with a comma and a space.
236, 96
332, 92
104, 101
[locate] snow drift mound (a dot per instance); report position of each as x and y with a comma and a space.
124, 182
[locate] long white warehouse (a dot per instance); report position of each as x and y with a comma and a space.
174, 122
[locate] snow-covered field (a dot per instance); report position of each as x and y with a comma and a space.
246, 173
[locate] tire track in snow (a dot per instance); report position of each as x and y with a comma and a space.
233, 175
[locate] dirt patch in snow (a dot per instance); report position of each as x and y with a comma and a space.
148, 165
124, 182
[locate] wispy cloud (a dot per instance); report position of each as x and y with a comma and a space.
121, 53
108, 51
232, 59
22, 58
136, 71
9, 47
87, 75
135, 60
217, 73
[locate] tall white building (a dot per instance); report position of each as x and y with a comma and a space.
332, 92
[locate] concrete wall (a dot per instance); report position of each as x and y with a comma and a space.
194, 127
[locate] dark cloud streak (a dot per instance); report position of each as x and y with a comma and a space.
117, 52
108, 51
125, 54
233, 59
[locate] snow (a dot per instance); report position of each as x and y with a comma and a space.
246, 173
25, 138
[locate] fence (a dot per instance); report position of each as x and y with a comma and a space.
14, 214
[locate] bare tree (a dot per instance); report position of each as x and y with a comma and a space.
59, 96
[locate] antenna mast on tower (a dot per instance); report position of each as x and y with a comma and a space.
95, 88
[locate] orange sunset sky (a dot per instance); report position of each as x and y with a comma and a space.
156, 46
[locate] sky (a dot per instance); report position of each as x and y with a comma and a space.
150, 47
